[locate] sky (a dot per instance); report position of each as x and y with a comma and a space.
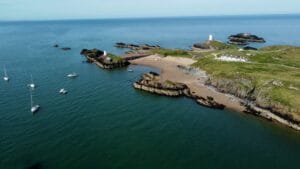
97, 9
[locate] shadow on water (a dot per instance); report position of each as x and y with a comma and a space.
36, 166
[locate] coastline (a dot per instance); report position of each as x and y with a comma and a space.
170, 71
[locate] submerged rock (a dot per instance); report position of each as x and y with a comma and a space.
66, 48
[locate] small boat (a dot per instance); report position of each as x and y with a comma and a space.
72, 75
34, 108
31, 85
5, 78
63, 91
129, 70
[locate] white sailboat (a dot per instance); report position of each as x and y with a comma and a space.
5, 78
72, 75
31, 85
34, 108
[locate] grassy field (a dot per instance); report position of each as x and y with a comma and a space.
274, 70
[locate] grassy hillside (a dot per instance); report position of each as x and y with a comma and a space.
273, 72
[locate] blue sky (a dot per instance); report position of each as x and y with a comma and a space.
82, 9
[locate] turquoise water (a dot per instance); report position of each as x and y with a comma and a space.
104, 123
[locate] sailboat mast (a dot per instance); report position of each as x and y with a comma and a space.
31, 79
5, 73
31, 100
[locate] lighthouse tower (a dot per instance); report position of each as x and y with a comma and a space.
210, 38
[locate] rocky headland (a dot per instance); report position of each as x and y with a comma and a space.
104, 60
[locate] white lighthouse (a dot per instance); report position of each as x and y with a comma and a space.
210, 38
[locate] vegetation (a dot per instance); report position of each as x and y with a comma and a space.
221, 46
172, 52
115, 58
274, 71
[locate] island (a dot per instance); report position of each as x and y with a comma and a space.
104, 60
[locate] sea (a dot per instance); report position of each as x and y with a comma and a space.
103, 122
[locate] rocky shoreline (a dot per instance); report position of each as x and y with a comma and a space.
151, 82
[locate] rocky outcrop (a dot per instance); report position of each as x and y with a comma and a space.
249, 48
103, 60
209, 102
204, 46
244, 39
151, 82
136, 47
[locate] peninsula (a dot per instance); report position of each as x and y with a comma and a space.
264, 82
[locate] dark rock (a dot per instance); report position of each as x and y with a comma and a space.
244, 38
136, 47
205, 46
209, 102
249, 48
238, 42
66, 48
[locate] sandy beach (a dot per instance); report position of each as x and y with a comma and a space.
170, 71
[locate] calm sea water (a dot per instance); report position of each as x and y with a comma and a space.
104, 123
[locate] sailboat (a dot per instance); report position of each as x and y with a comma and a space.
73, 75
34, 108
31, 85
5, 78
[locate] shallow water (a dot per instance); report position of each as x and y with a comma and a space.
104, 123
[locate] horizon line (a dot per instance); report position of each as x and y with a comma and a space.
149, 17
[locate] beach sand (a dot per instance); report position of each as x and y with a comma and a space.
170, 71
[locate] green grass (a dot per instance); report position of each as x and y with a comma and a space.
115, 58
280, 63
172, 52
221, 46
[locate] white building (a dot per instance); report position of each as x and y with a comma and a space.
210, 38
